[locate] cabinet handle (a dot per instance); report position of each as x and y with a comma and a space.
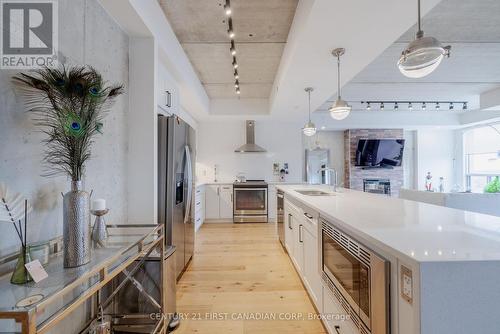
231, 197
300, 233
290, 221
337, 329
308, 215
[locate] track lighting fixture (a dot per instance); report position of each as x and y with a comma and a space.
227, 8
309, 129
236, 75
236, 84
235, 64
423, 55
437, 104
238, 91
340, 109
232, 49
230, 33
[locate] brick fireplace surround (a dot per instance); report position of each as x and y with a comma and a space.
354, 176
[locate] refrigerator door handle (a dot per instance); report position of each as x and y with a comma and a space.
190, 183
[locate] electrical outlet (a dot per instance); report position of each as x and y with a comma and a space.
406, 284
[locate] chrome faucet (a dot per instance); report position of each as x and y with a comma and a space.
334, 172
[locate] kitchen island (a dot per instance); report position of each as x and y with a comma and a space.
443, 263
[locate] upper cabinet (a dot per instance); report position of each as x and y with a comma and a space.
167, 93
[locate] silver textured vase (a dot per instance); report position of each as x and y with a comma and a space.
76, 226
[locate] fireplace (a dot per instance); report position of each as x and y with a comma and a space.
377, 186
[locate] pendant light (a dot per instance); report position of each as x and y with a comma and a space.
423, 55
309, 129
340, 109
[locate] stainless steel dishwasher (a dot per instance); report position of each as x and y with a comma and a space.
280, 216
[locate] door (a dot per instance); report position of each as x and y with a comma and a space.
212, 202
226, 202
311, 267
177, 164
299, 245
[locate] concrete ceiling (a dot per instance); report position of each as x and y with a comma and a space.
261, 28
471, 28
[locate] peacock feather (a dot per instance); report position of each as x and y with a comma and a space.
69, 105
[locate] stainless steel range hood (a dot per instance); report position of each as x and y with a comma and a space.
250, 146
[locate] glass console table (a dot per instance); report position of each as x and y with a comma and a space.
91, 289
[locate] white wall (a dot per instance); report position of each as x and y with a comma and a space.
218, 140
334, 142
84, 27
438, 152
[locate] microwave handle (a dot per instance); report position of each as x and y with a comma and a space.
300, 233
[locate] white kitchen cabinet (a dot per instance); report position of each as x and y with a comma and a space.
311, 264
218, 202
166, 92
199, 207
226, 202
272, 205
212, 202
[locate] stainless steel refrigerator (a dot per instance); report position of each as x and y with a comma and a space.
175, 186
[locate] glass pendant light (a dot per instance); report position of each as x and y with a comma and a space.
340, 109
309, 129
423, 55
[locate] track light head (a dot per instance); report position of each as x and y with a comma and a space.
227, 10
236, 75
410, 106
464, 106
424, 106
396, 106
238, 91
382, 107
451, 106
230, 33
437, 106
368, 106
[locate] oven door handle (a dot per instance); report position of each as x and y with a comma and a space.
300, 233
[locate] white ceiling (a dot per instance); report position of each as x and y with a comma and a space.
261, 28
470, 27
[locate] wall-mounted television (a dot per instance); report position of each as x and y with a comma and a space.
380, 153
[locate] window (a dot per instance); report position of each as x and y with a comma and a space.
482, 156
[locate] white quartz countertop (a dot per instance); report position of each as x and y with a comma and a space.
417, 231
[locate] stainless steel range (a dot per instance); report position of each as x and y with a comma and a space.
250, 202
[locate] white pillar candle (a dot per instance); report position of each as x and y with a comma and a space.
99, 204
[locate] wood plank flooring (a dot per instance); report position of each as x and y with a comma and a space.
241, 281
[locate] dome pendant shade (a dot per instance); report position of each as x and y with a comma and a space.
309, 129
422, 57
340, 110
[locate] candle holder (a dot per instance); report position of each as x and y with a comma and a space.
100, 230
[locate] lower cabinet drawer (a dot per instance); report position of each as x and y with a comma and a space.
335, 318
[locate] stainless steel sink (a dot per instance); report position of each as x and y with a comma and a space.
314, 192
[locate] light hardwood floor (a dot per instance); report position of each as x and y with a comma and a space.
241, 270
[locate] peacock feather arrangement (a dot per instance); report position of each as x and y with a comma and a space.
70, 105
